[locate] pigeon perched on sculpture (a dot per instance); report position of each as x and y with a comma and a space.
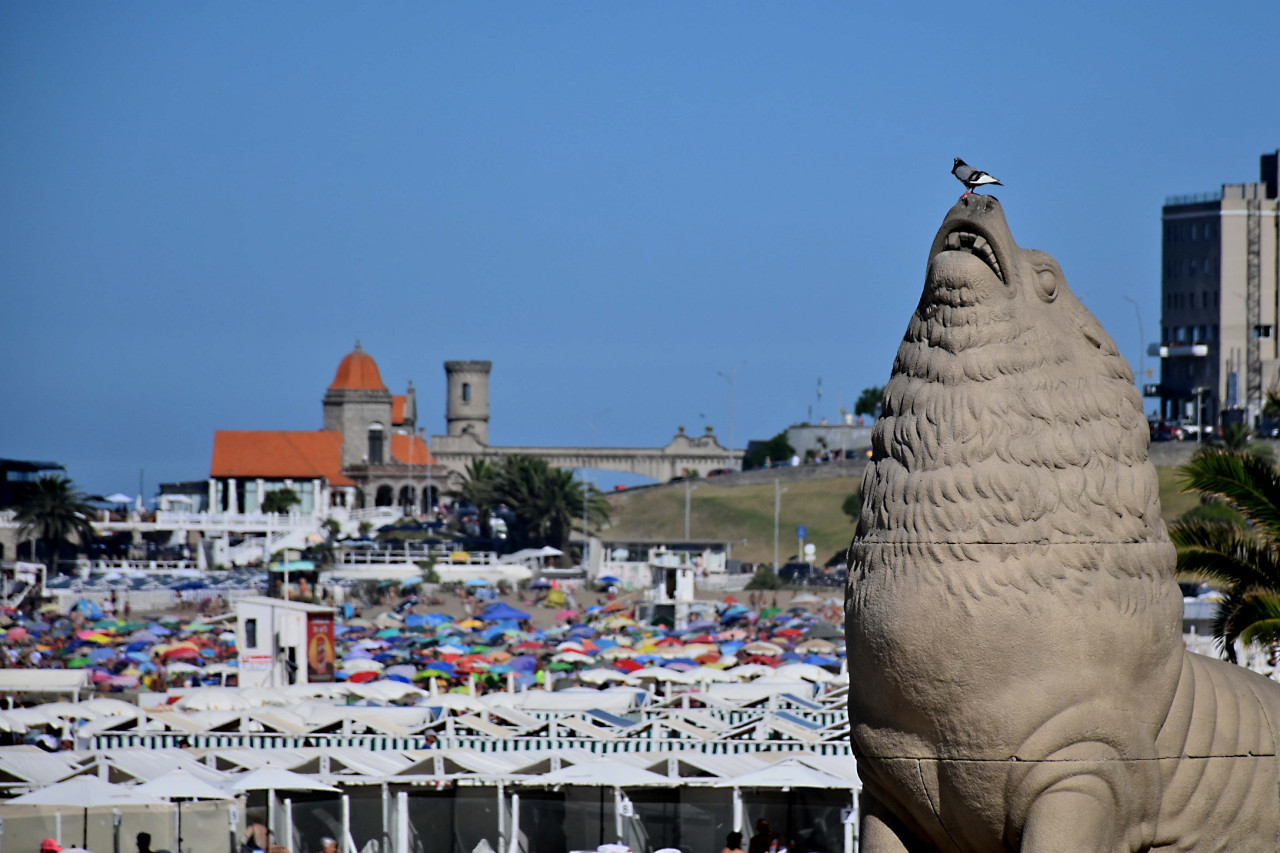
1012, 619
971, 178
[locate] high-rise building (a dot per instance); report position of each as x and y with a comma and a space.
1219, 341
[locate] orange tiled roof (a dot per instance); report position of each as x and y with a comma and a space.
400, 450
357, 372
397, 409
279, 453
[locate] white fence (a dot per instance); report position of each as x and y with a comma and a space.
144, 601
723, 583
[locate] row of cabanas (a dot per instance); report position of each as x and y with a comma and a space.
401, 797
760, 714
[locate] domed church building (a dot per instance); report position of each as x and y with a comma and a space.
369, 452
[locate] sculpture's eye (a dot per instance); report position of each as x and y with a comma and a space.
1046, 285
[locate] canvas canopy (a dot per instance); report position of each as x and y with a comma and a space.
277, 779
85, 792
181, 785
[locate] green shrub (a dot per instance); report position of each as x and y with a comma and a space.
764, 578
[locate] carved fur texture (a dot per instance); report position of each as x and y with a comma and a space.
1017, 675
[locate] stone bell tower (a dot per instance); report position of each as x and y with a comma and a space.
467, 407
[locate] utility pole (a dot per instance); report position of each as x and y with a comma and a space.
587, 488
777, 511
422, 433
729, 377
688, 500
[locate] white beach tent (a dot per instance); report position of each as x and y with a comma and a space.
607, 773
215, 699
178, 785
794, 773
786, 774
85, 792
272, 779
78, 797
181, 785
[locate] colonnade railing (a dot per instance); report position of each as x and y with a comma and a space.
478, 743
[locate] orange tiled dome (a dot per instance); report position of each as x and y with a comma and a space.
358, 372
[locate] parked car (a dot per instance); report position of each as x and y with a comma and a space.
797, 573
1191, 430
1166, 431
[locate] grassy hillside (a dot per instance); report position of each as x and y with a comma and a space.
746, 513
739, 513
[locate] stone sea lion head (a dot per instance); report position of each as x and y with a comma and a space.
1010, 415
975, 263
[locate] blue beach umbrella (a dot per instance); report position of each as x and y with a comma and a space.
523, 663
501, 612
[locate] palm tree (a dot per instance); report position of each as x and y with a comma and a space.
547, 501
1246, 560
52, 511
480, 490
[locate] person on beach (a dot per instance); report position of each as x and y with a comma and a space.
763, 839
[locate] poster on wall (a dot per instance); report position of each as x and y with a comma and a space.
321, 658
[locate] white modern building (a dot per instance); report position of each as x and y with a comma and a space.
1219, 342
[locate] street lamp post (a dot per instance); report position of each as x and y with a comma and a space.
1142, 337
1199, 392
777, 511
729, 377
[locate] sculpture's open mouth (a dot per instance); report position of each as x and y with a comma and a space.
977, 245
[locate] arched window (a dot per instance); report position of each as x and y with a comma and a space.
375, 444
385, 496
406, 498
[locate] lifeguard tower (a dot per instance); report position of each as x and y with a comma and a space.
284, 642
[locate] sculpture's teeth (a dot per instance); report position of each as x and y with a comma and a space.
975, 244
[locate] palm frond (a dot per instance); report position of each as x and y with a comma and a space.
1247, 615
1226, 554
1248, 483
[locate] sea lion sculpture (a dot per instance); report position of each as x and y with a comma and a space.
1018, 681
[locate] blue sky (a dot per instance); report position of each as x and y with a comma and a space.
206, 204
